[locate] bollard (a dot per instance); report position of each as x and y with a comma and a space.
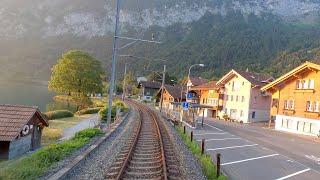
202, 146
191, 136
184, 129
218, 164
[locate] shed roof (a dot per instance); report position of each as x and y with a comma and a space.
150, 84
14, 117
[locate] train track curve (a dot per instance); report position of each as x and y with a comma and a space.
149, 152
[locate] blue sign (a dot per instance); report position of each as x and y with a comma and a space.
190, 95
185, 105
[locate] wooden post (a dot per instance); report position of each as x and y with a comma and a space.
218, 164
191, 136
202, 146
202, 117
184, 129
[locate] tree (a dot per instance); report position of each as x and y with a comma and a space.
77, 74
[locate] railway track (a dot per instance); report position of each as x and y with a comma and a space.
149, 152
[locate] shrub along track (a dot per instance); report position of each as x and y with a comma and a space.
149, 153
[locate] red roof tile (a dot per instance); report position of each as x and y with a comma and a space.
13, 118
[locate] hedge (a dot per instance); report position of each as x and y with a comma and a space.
58, 114
88, 111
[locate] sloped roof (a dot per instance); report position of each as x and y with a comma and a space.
14, 117
196, 81
301, 68
256, 79
206, 86
150, 84
175, 91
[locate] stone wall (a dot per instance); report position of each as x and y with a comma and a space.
20, 146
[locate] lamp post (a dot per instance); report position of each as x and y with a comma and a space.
201, 65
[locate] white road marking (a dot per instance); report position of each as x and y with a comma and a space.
219, 139
207, 134
251, 159
294, 174
213, 127
232, 147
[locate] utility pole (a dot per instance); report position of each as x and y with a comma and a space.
124, 82
114, 61
162, 86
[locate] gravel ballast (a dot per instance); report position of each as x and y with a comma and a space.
189, 165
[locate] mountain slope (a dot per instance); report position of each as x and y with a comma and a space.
223, 34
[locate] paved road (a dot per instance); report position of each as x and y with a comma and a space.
90, 122
250, 152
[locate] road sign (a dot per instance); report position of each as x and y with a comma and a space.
185, 105
190, 95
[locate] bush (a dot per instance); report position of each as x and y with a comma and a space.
37, 164
104, 111
88, 111
58, 114
119, 104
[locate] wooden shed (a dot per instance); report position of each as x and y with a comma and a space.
20, 130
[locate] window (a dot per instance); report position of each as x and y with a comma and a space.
227, 97
241, 113
253, 115
232, 85
305, 84
255, 100
299, 84
311, 84
211, 91
231, 97
309, 106
242, 99
226, 111
316, 106
285, 104
243, 83
237, 98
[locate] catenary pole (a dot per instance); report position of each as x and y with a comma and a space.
124, 82
114, 61
162, 86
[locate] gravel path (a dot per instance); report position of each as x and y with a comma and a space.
90, 122
189, 164
96, 164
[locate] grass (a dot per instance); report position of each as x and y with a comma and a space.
52, 133
208, 167
35, 165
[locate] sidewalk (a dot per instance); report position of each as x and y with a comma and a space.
90, 122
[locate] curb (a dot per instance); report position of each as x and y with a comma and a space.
62, 173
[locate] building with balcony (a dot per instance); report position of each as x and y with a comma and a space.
243, 99
296, 100
148, 90
210, 99
193, 95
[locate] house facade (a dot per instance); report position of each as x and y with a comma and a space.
193, 95
210, 99
172, 96
20, 130
148, 90
243, 99
295, 104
